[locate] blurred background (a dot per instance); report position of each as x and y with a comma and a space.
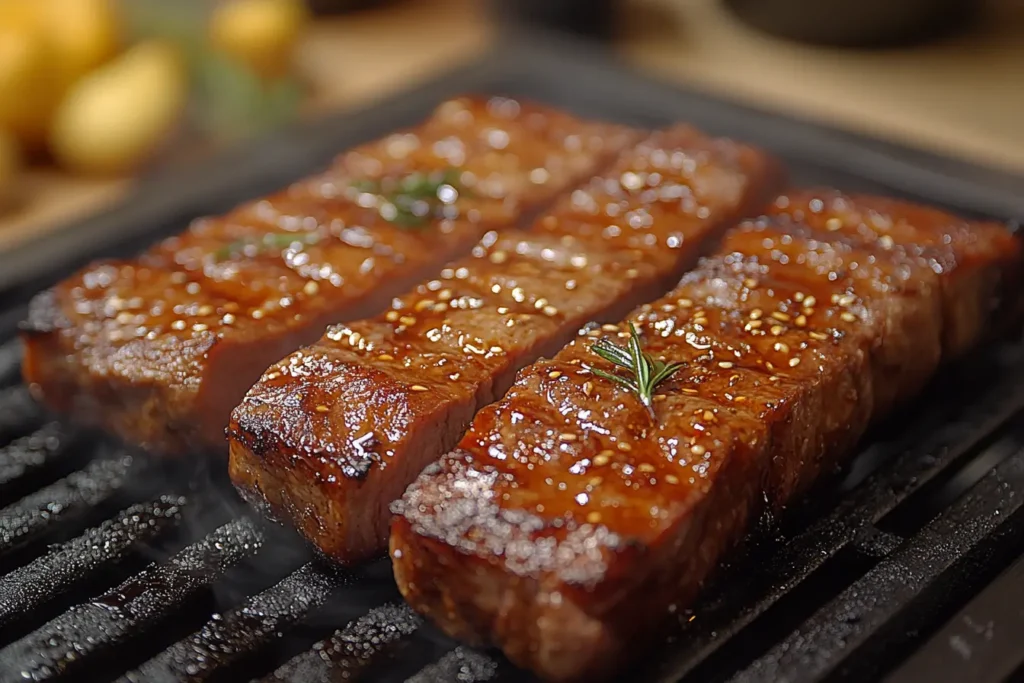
95, 94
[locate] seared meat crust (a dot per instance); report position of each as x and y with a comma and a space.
569, 519
331, 435
160, 348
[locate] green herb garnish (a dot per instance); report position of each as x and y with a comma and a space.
415, 198
271, 241
646, 373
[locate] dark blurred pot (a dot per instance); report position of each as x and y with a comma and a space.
856, 23
590, 18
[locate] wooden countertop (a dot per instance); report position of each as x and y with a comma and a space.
962, 97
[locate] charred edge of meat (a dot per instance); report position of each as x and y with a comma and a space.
44, 315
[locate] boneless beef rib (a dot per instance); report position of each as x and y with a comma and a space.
159, 349
570, 517
335, 432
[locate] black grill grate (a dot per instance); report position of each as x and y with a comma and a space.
117, 567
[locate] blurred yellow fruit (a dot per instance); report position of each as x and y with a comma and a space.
83, 34
29, 85
10, 166
116, 116
260, 34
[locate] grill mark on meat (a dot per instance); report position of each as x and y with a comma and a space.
414, 376
159, 349
797, 333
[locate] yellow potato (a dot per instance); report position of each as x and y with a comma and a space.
29, 84
116, 116
260, 34
10, 167
83, 34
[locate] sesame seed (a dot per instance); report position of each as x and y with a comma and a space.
454, 376
801, 321
205, 310
671, 479
178, 325
793, 362
496, 349
322, 409
385, 357
810, 301
228, 319
588, 387
847, 316
391, 316
550, 310
818, 335
499, 257
660, 397
519, 295
502, 310
776, 330
422, 305
799, 296
444, 295
698, 450
257, 313
568, 438
780, 316
540, 303
750, 283
554, 374
407, 320
646, 467
833, 224
418, 387
725, 365
632, 273
886, 242
610, 328
700, 320
595, 481
753, 325
773, 378
740, 399
688, 390
708, 415
602, 458
200, 327
781, 347
685, 303
756, 314
594, 517
846, 300
311, 288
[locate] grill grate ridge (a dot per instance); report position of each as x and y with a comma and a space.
239, 634
24, 462
19, 413
137, 607
34, 517
461, 665
10, 362
64, 568
347, 653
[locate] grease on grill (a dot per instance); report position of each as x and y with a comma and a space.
32, 517
239, 633
66, 566
351, 649
135, 608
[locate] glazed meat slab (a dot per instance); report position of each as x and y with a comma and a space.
159, 349
334, 433
571, 521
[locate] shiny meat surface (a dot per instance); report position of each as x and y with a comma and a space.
570, 521
159, 349
330, 436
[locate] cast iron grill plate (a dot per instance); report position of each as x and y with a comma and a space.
907, 566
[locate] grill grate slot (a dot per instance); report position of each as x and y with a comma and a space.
27, 463
858, 633
10, 362
347, 654
19, 413
238, 635
107, 625
79, 496
981, 643
66, 568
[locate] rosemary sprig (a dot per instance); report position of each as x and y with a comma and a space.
415, 198
645, 372
268, 242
